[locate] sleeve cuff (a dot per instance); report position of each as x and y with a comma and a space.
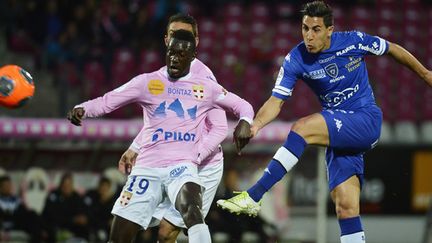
247, 119
134, 147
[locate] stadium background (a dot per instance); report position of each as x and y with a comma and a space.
78, 50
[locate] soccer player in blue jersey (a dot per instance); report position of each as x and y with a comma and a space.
332, 65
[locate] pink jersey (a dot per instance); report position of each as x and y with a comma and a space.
174, 115
216, 126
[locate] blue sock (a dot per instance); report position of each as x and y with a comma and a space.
272, 174
284, 159
350, 225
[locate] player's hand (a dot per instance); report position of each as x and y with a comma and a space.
242, 135
127, 161
75, 116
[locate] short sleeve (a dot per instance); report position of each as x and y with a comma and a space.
287, 77
371, 45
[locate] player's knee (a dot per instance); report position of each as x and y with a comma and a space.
301, 128
346, 209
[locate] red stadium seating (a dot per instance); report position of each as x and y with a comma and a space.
426, 104
284, 10
253, 87
228, 79
233, 11
407, 94
259, 12
68, 72
95, 79
149, 61
123, 66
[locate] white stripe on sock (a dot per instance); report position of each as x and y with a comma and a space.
358, 237
286, 158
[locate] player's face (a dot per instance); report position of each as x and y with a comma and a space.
178, 26
316, 35
178, 57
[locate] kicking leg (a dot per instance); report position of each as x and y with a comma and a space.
308, 130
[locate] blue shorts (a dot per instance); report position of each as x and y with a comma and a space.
351, 134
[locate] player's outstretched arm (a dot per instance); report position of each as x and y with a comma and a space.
267, 113
404, 57
76, 115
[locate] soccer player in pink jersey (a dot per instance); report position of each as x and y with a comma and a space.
210, 171
175, 104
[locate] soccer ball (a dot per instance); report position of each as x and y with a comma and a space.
16, 86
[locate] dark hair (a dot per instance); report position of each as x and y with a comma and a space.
104, 179
4, 178
318, 9
184, 18
184, 35
64, 177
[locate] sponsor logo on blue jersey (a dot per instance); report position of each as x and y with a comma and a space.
353, 64
334, 99
316, 74
178, 171
161, 135
375, 49
328, 59
347, 49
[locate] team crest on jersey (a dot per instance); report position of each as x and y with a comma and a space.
198, 91
332, 70
125, 198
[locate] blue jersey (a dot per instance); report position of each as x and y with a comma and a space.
338, 75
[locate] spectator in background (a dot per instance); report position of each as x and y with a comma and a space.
99, 203
64, 211
14, 215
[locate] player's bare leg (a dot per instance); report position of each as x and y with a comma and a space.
167, 232
189, 204
346, 197
311, 129
123, 230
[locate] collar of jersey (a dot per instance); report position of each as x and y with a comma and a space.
180, 79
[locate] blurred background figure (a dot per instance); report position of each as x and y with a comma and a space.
99, 203
64, 212
15, 216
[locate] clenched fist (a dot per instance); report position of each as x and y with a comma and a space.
127, 161
75, 116
242, 135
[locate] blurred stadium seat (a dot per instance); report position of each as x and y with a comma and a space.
94, 78
239, 36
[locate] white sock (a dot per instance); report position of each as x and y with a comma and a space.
199, 233
358, 237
